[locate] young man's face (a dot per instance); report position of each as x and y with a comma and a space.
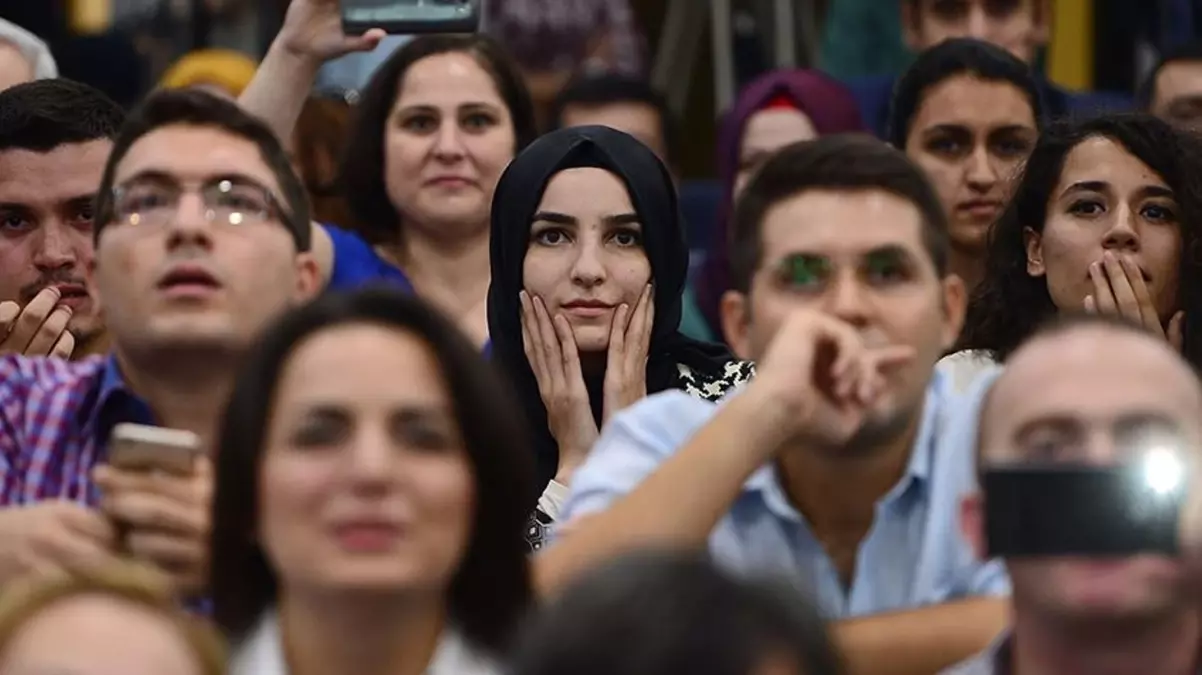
1018, 26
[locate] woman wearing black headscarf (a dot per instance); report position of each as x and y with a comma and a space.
588, 268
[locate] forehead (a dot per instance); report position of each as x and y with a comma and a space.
841, 223
965, 100
606, 192
195, 153
66, 172
946, 8
1179, 78
453, 78
769, 130
640, 120
372, 363
1076, 374
1101, 159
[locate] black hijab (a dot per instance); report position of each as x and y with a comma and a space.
653, 195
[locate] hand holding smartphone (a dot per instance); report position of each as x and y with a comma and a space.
410, 17
140, 448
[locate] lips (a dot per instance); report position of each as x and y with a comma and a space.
980, 207
189, 276
367, 535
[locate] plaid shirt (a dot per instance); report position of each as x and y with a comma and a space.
55, 419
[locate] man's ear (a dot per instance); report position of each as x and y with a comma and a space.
972, 523
955, 304
308, 278
735, 314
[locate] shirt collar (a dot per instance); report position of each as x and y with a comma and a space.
115, 404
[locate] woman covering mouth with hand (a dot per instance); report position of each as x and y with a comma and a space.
1105, 219
589, 264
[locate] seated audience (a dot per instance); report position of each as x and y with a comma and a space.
1173, 90
585, 297
434, 130
666, 614
842, 464
201, 236
621, 102
1021, 27
55, 136
1065, 399
109, 620
1105, 219
372, 487
967, 113
775, 110
23, 56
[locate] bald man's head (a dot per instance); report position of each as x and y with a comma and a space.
1083, 379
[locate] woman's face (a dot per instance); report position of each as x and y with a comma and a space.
585, 256
969, 136
766, 132
1107, 200
447, 140
365, 482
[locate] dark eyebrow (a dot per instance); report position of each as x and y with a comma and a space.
1009, 129
1103, 186
160, 177
622, 219
554, 217
893, 250
948, 129
565, 219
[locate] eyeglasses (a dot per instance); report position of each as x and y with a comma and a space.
226, 202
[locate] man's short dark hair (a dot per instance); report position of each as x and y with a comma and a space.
592, 91
1190, 51
656, 612
197, 108
852, 162
40, 116
952, 58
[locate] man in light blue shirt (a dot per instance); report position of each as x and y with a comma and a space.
843, 464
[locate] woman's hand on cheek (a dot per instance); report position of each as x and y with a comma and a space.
550, 348
626, 361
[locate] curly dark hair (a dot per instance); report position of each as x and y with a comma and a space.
1009, 304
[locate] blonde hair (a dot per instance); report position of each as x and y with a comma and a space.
224, 68
25, 599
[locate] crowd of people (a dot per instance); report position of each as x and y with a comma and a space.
467, 400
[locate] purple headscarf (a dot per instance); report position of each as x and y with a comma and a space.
831, 108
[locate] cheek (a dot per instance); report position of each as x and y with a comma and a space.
290, 502
1068, 250
544, 270
16, 266
631, 273
493, 151
944, 175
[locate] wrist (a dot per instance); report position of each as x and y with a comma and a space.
766, 418
297, 60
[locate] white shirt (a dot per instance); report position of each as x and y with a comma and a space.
263, 654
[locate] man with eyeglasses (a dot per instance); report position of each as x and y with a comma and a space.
201, 239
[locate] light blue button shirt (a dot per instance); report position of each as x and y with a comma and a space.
914, 553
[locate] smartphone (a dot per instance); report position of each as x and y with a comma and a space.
136, 447
410, 17
1096, 511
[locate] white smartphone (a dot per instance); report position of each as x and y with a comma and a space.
137, 447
